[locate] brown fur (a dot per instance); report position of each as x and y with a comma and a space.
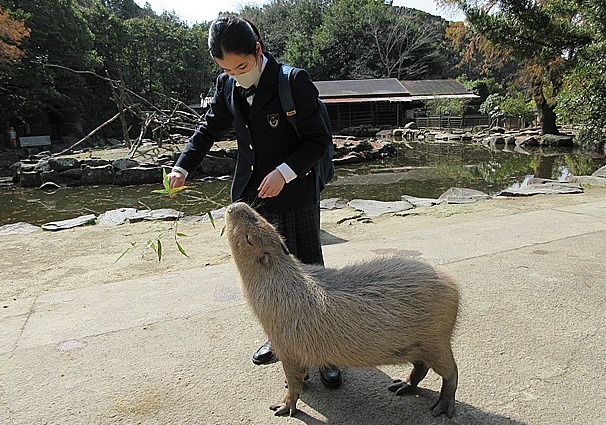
390, 310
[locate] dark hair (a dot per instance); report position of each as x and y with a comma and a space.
232, 34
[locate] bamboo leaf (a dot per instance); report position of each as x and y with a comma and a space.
223, 231
160, 191
181, 250
159, 250
212, 219
165, 180
182, 235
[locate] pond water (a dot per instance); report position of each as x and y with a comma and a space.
419, 169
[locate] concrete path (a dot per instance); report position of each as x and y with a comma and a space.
175, 349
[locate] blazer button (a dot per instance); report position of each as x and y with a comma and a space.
252, 167
250, 146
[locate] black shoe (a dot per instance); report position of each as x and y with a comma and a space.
331, 376
263, 355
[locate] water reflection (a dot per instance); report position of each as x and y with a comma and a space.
419, 169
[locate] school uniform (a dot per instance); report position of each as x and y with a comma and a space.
267, 141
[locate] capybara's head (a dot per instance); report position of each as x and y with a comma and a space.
253, 240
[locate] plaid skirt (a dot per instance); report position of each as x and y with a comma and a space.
300, 229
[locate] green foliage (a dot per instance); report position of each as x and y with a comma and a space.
517, 106
453, 107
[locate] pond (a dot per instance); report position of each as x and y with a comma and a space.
420, 169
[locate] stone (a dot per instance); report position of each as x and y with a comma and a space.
587, 181
95, 162
29, 179
537, 186
333, 204
62, 164
376, 208
97, 175
411, 125
138, 175
8, 158
554, 140
18, 229
420, 202
600, 172
161, 214
527, 141
124, 163
117, 217
217, 166
458, 195
71, 223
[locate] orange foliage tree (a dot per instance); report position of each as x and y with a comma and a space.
12, 33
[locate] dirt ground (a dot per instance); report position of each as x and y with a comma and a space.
44, 261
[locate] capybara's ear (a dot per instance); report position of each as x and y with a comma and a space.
265, 260
285, 249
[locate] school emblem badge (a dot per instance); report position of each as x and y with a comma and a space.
273, 120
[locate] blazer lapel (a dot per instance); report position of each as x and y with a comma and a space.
267, 86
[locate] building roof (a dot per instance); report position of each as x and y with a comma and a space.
361, 88
434, 87
390, 90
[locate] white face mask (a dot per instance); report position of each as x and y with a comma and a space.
248, 78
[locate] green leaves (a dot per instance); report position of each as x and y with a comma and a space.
167, 190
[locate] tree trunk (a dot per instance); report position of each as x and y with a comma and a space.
547, 116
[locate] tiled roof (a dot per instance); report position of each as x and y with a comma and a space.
389, 88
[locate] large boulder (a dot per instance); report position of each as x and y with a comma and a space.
559, 140
62, 164
217, 166
97, 175
124, 163
138, 175
30, 179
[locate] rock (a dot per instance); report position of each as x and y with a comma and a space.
97, 175
8, 158
557, 140
587, 181
216, 214
420, 202
333, 204
527, 141
138, 175
18, 229
124, 163
29, 179
72, 174
161, 214
376, 208
217, 166
63, 164
50, 187
411, 125
536, 186
600, 172
117, 217
69, 224
95, 162
457, 195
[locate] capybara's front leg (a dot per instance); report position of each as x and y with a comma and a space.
294, 380
416, 375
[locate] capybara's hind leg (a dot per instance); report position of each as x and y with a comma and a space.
450, 375
416, 375
294, 381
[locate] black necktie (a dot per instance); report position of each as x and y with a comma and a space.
246, 93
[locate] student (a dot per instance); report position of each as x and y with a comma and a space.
274, 172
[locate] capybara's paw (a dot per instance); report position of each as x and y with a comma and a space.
443, 406
401, 387
283, 409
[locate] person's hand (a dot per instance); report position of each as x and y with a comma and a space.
175, 179
271, 185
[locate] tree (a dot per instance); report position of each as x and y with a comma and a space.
12, 34
545, 34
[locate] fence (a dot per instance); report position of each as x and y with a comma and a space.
450, 122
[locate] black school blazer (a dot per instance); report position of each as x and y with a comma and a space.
265, 138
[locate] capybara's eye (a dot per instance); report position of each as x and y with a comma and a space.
248, 240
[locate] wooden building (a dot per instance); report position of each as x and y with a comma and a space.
383, 102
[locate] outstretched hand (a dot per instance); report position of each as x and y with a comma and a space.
271, 185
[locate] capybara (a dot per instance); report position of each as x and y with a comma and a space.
389, 310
